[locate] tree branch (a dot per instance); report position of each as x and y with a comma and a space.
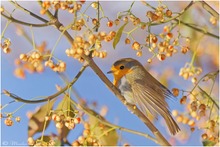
197, 29
12, 19
48, 98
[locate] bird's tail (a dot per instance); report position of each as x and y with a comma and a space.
172, 125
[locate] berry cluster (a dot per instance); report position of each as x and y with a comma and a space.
6, 46
199, 115
190, 70
32, 142
70, 6
159, 14
91, 47
57, 67
61, 120
9, 119
87, 138
77, 26
32, 61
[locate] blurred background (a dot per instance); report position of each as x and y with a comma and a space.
89, 86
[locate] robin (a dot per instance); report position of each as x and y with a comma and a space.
140, 88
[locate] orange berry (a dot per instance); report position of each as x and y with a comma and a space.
19, 72
117, 21
112, 33
154, 39
108, 38
168, 13
95, 21
202, 106
175, 92
204, 136
191, 123
192, 129
170, 48
127, 41
6, 50
183, 100
184, 49
169, 35
166, 29
77, 120
143, 26
82, 1
211, 123
110, 23
161, 57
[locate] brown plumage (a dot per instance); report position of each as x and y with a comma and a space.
140, 88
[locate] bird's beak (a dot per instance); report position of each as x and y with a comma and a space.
109, 72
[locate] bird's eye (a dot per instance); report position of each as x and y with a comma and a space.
122, 67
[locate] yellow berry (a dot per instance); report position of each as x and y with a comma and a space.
17, 119
139, 53
174, 113
136, 45
8, 122
149, 60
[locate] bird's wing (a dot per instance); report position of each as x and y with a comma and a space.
150, 98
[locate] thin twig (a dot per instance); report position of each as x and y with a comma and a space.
28, 11
48, 98
197, 29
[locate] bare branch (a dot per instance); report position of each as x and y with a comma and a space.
48, 98
12, 19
